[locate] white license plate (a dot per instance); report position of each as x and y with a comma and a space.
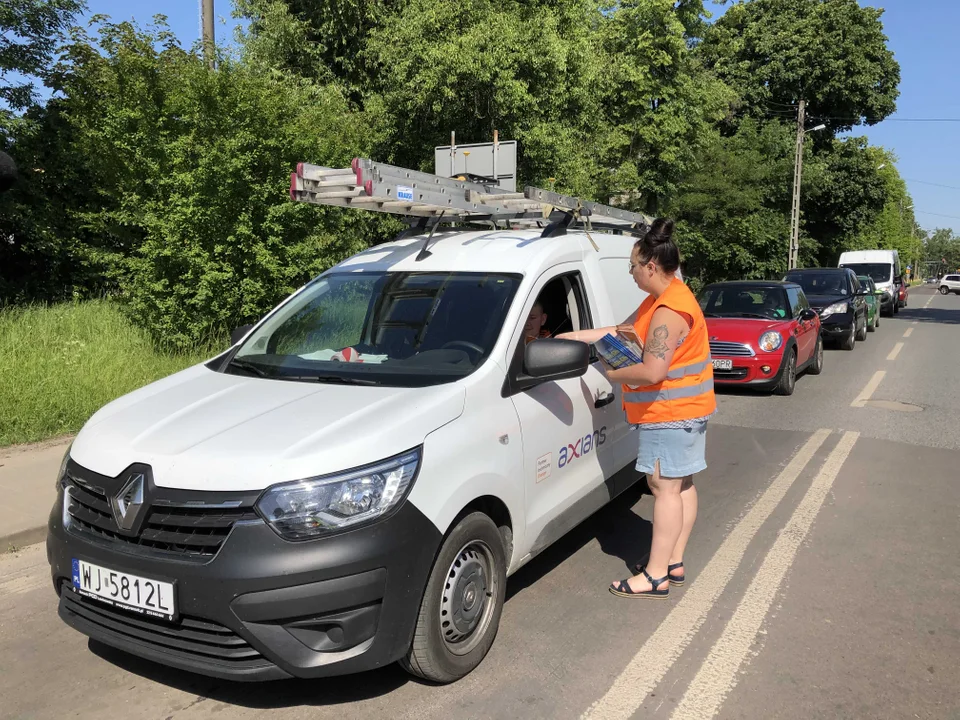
130, 592
723, 364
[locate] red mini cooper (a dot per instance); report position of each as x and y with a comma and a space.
762, 333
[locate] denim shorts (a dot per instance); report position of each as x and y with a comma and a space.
681, 451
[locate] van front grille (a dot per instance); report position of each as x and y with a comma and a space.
185, 530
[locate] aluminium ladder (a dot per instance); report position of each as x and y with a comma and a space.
428, 200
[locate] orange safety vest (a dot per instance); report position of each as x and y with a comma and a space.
687, 391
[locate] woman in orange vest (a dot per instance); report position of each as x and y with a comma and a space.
669, 397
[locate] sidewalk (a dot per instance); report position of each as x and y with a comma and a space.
27, 477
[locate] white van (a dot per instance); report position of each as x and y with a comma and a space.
351, 484
883, 266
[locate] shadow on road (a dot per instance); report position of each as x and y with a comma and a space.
262, 695
934, 316
619, 530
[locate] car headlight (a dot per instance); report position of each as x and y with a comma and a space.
840, 307
307, 508
771, 341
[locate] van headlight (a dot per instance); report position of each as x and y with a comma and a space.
771, 341
63, 467
840, 307
304, 509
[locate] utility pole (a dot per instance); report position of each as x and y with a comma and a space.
797, 174
209, 47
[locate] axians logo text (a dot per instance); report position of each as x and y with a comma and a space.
583, 446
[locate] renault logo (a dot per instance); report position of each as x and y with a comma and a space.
128, 503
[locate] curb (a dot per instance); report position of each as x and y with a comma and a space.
23, 538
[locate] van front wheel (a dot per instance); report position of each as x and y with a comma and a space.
461, 607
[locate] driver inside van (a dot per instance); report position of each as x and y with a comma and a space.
534, 328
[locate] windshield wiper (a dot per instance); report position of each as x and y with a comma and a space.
248, 366
754, 315
334, 379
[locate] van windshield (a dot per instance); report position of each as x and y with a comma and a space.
409, 329
878, 272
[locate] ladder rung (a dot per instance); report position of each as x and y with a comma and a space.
318, 172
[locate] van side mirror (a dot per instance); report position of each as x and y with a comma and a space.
238, 334
556, 359
545, 361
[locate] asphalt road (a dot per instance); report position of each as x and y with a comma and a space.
823, 581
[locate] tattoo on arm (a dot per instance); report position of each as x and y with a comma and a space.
658, 346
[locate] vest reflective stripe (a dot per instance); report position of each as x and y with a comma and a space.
692, 369
668, 393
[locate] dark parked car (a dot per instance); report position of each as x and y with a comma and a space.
839, 298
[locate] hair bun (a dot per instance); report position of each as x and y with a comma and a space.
661, 231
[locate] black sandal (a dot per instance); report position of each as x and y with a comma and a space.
674, 580
622, 588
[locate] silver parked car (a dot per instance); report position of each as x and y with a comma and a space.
950, 284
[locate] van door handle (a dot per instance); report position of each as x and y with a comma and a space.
604, 401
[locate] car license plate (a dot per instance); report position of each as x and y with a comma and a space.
129, 592
723, 364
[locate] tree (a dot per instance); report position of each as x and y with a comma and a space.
843, 193
732, 211
943, 249
604, 97
894, 227
29, 33
831, 53
186, 180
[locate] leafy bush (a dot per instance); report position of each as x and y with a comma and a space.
193, 169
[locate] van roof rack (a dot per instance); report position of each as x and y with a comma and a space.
426, 200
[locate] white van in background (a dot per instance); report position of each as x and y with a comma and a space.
883, 267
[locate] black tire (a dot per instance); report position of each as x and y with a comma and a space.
816, 365
876, 319
849, 342
862, 331
788, 375
470, 569
944, 290
896, 307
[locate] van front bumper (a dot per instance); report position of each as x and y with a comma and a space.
263, 608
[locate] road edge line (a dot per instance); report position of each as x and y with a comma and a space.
718, 674
657, 655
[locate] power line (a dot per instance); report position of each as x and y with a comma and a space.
926, 182
889, 119
924, 212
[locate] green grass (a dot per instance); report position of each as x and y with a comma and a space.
60, 364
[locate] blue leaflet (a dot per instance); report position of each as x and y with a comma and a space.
617, 353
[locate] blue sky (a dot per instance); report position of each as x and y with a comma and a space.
922, 35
